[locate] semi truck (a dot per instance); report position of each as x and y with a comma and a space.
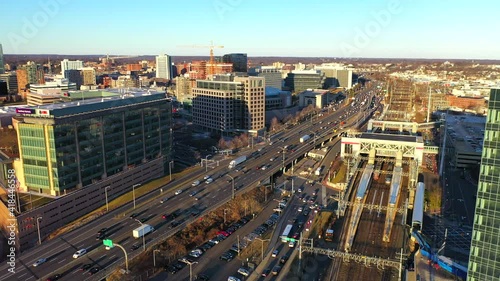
304, 138
142, 230
237, 161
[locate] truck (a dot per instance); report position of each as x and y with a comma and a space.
304, 138
142, 230
237, 161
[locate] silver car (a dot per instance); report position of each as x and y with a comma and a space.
39, 262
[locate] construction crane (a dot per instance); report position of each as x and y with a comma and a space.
212, 60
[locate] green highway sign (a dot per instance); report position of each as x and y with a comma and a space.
291, 240
108, 242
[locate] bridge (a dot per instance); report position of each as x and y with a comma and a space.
412, 127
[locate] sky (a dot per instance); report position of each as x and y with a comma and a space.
445, 29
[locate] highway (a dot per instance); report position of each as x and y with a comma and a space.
59, 251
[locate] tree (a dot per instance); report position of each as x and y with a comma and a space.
274, 124
222, 144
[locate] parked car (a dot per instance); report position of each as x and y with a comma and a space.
243, 271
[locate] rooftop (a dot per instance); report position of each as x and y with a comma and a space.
391, 137
466, 132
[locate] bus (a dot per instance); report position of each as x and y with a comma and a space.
286, 233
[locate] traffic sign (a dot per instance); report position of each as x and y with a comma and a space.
108, 242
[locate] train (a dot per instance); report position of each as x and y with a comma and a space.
418, 207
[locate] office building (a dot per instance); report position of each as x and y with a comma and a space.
336, 75
44, 96
272, 75
88, 76
74, 76
230, 106
484, 263
164, 67
59, 83
184, 89
301, 80
317, 97
11, 79
239, 61
70, 64
277, 99
30, 73
2, 67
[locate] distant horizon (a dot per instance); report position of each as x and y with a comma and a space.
377, 29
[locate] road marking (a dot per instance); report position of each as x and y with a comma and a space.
28, 278
112, 256
62, 261
22, 275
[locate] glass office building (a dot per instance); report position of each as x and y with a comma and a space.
484, 261
78, 143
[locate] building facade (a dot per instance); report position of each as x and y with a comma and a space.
164, 67
484, 263
277, 99
230, 106
2, 67
44, 96
70, 64
301, 80
239, 61
272, 75
88, 76
30, 73
317, 97
11, 79
62, 84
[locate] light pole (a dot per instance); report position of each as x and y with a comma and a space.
283, 161
106, 194
225, 211
133, 191
154, 259
191, 270
143, 239
38, 219
206, 162
232, 180
262, 247
170, 168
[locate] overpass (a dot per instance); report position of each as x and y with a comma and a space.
412, 127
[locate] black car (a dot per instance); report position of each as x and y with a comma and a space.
103, 230
171, 269
134, 215
202, 277
266, 272
135, 247
55, 277
174, 224
100, 236
283, 259
179, 265
143, 220
86, 266
94, 270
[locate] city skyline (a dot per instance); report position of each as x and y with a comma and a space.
370, 29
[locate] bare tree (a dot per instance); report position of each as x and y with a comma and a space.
222, 143
274, 124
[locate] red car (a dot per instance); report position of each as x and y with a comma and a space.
222, 232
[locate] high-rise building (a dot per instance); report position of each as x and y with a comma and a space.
88, 76
2, 69
164, 67
30, 73
70, 64
74, 76
484, 263
272, 75
11, 79
92, 139
239, 61
337, 75
301, 80
230, 106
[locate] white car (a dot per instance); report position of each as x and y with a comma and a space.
178, 192
243, 271
195, 183
232, 278
291, 244
300, 209
206, 177
209, 180
39, 262
79, 253
263, 167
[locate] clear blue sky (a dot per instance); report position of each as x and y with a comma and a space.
324, 28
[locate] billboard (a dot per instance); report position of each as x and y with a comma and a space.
25, 110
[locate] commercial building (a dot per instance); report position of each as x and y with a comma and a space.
272, 75
88, 76
70, 64
337, 75
230, 106
465, 139
59, 83
317, 97
164, 67
219, 68
44, 96
30, 73
134, 67
74, 76
485, 246
301, 80
239, 61
277, 99
11, 79
2, 67
184, 89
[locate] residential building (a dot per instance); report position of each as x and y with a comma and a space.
230, 106
134, 67
484, 263
88, 76
11, 79
164, 67
301, 80
70, 64
272, 75
239, 61
2, 67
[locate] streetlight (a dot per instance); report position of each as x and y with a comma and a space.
206, 162
133, 191
225, 211
154, 259
170, 168
38, 227
191, 270
283, 161
262, 247
143, 239
232, 180
106, 193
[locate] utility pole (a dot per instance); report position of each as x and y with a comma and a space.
154, 259
38, 219
106, 194
133, 191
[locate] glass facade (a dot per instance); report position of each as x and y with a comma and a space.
81, 150
484, 261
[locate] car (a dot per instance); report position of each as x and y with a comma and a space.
305, 212
94, 270
209, 180
196, 253
300, 190
135, 247
39, 262
174, 224
142, 220
276, 270
266, 272
100, 236
271, 159
195, 183
263, 167
193, 193
179, 191
103, 230
296, 235
243, 271
206, 177
79, 253
300, 209
172, 269
232, 278
179, 265
134, 215
275, 253
284, 258
54, 277
164, 200
86, 266
202, 277
291, 244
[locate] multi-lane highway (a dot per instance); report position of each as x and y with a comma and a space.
60, 250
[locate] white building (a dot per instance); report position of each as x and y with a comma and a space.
59, 83
70, 64
164, 67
